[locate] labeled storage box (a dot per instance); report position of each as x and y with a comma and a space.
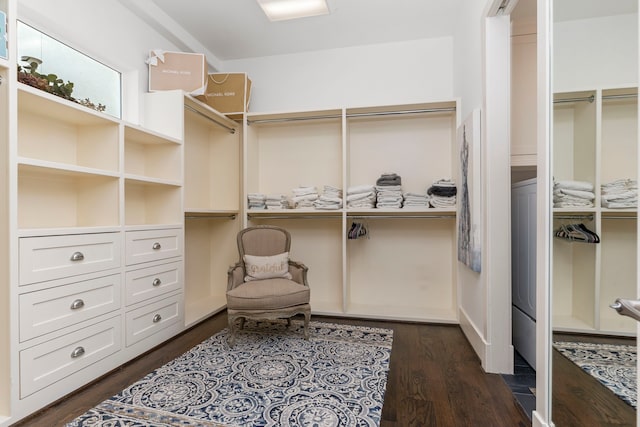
227, 92
177, 70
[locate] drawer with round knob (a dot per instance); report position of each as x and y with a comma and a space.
59, 358
53, 257
146, 283
145, 321
67, 303
152, 245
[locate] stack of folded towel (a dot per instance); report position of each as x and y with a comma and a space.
277, 201
389, 191
331, 198
573, 194
257, 201
304, 196
412, 200
361, 196
620, 194
443, 194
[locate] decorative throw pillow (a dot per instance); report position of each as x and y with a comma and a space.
267, 267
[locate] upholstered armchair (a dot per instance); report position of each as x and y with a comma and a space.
265, 284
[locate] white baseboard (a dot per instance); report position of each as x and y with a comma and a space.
537, 421
474, 336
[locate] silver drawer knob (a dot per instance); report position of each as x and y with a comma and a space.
157, 318
77, 256
77, 304
157, 282
156, 246
77, 352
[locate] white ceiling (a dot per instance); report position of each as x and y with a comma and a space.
233, 29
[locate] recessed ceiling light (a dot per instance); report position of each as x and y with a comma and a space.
280, 10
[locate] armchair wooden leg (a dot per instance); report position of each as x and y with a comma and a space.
231, 339
307, 317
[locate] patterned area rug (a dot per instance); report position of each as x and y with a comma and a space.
272, 377
612, 365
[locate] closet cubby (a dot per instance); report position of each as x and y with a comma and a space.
619, 134
403, 269
51, 198
417, 142
595, 140
574, 136
151, 203
212, 191
212, 156
618, 270
55, 131
151, 155
317, 243
574, 279
288, 150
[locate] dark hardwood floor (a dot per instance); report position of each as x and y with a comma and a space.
579, 399
435, 379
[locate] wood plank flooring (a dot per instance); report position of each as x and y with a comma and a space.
579, 399
435, 379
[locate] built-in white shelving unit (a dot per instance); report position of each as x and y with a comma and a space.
392, 273
595, 134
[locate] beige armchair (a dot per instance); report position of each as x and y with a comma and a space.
265, 284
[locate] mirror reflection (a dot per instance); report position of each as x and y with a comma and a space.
595, 171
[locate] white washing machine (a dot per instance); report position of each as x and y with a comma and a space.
523, 268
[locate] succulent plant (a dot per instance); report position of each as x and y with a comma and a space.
29, 75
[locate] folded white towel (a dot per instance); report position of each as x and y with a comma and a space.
574, 185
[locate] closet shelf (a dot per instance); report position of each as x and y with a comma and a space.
140, 135
30, 165
50, 231
145, 180
38, 102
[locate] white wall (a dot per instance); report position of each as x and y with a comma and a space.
469, 71
104, 30
594, 53
394, 73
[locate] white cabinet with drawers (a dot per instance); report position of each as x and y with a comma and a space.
154, 270
97, 274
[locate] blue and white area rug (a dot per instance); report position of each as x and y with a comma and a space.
271, 377
613, 365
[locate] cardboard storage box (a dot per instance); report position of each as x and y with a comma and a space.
177, 70
227, 92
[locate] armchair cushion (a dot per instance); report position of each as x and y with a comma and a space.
266, 267
267, 294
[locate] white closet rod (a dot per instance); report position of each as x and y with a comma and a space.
249, 216
337, 116
212, 216
211, 119
352, 217
426, 216
592, 98
585, 98
588, 217
634, 217
623, 96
